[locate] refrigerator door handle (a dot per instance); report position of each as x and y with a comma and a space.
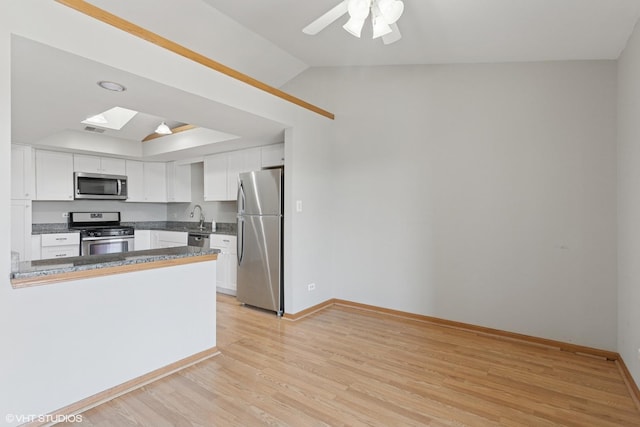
240, 240
241, 199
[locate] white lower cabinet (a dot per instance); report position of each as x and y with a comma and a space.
59, 245
36, 247
168, 239
227, 267
142, 240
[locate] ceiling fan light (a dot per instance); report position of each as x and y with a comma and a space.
359, 9
354, 26
163, 129
380, 28
391, 10
378, 23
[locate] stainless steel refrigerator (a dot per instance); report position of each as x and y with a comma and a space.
260, 223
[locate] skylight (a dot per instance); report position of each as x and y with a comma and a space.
114, 118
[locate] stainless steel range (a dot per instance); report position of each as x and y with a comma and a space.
101, 233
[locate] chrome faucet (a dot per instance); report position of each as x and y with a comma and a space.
201, 226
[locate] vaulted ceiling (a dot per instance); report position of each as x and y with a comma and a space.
263, 39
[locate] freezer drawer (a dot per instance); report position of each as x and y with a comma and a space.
259, 262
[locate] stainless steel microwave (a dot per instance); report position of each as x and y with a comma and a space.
99, 186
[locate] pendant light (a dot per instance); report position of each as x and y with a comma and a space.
163, 129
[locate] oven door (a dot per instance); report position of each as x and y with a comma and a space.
106, 245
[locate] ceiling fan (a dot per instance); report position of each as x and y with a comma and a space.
384, 14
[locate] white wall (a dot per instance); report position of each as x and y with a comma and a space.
6, 321
629, 205
478, 193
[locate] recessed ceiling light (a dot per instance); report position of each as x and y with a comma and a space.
113, 86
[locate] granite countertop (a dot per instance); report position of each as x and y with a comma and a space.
221, 228
46, 267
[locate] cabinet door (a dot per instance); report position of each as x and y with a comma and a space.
168, 239
155, 182
21, 228
215, 177
178, 182
111, 166
59, 251
142, 240
272, 155
22, 173
61, 239
54, 175
135, 181
83, 163
36, 247
235, 165
252, 160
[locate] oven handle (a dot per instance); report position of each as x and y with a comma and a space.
114, 239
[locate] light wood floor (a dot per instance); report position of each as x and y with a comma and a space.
343, 366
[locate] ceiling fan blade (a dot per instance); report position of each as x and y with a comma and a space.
393, 36
325, 20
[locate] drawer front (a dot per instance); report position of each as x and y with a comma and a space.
60, 251
61, 239
222, 241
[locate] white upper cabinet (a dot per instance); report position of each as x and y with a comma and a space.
22, 173
135, 181
215, 177
272, 155
113, 166
155, 182
54, 175
146, 182
221, 172
95, 164
178, 183
239, 162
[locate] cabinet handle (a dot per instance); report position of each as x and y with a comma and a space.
60, 255
61, 238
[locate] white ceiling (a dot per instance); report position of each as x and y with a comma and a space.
449, 31
52, 91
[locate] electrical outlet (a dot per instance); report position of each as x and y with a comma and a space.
298, 205
639, 354
65, 215
311, 287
